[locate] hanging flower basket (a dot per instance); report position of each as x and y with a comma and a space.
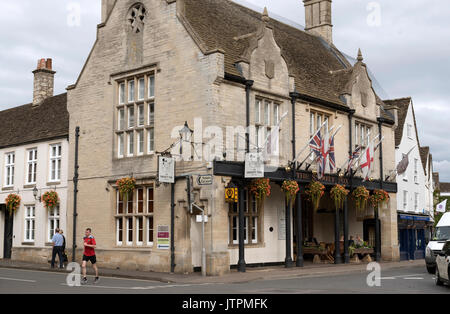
290, 188
361, 196
315, 190
50, 199
338, 194
12, 202
379, 197
260, 188
126, 187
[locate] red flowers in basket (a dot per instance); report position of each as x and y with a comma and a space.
50, 199
12, 202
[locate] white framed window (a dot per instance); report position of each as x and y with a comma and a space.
29, 223
55, 162
139, 230
131, 117
151, 86
119, 231
131, 91
31, 165
362, 132
141, 93
405, 200
9, 169
151, 140
53, 222
416, 202
140, 141
120, 145
141, 115
121, 119
416, 170
130, 140
409, 130
129, 230
267, 113
276, 114
121, 93
150, 231
251, 221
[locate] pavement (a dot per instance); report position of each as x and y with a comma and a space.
251, 274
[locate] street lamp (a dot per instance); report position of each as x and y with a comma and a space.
184, 136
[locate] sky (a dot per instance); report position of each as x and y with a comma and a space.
405, 43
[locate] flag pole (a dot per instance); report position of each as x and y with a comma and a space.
307, 145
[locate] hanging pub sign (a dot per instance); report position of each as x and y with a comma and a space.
166, 169
254, 165
231, 195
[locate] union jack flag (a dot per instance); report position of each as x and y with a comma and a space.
355, 155
315, 144
331, 155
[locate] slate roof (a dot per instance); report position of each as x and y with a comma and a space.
403, 105
320, 71
29, 124
424, 152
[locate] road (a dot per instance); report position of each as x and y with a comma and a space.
397, 280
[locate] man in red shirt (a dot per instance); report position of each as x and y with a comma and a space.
89, 255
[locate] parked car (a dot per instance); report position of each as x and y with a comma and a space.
434, 247
443, 265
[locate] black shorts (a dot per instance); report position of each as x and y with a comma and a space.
92, 259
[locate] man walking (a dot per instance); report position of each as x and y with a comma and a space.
89, 255
57, 243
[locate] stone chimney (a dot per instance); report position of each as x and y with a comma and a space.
43, 81
318, 19
107, 6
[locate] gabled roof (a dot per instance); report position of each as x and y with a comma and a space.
320, 70
403, 106
28, 124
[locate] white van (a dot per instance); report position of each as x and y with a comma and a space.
440, 236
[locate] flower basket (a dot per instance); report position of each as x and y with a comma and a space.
12, 202
338, 194
260, 188
361, 195
126, 186
379, 197
315, 190
290, 188
50, 199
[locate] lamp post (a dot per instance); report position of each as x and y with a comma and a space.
35, 194
185, 136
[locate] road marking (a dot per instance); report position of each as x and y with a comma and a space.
15, 279
414, 278
143, 288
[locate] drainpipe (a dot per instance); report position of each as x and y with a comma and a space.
350, 152
248, 88
172, 227
75, 192
377, 219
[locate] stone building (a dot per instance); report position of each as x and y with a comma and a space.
220, 67
33, 160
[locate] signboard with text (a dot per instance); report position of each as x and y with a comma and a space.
254, 166
163, 238
166, 169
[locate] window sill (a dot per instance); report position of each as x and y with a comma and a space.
8, 188
250, 246
53, 183
29, 185
28, 243
48, 243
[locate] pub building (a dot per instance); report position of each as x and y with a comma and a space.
227, 66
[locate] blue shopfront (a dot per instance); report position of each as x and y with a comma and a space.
414, 233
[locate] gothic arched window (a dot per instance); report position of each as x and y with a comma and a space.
136, 17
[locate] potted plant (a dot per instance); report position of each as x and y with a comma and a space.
12, 203
50, 199
315, 190
379, 197
126, 186
290, 188
338, 194
260, 188
361, 195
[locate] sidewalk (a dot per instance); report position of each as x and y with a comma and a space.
252, 274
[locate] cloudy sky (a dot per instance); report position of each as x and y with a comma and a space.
405, 43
